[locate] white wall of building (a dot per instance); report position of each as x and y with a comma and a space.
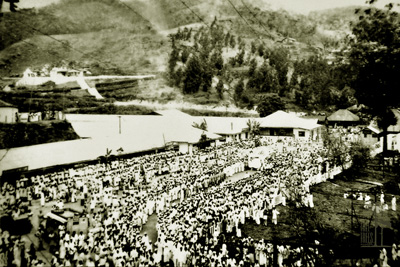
301, 134
393, 142
186, 148
8, 114
30, 78
23, 117
368, 139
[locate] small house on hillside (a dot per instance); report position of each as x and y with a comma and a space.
343, 117
8, 113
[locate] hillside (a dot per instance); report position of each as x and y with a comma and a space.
70, 17
136, 37
121, 37
105, 51
99, 33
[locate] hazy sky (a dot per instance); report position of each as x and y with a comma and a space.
301, 6
305, 6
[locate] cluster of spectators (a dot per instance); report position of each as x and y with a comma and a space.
200, 212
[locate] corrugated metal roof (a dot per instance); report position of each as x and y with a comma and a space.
59, 153
169, 128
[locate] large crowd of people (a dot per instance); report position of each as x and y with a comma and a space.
200, 213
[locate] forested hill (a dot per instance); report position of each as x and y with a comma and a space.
244, 52
124, 36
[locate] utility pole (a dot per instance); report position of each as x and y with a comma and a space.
119, 117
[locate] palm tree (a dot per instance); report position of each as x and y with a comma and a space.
254, 127
202, 126
106, 158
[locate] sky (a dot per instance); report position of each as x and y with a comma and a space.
305, 6
300, 6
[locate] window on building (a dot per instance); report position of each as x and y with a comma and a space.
302, 133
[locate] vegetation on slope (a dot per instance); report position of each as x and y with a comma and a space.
102, 35
219, 65
70, 17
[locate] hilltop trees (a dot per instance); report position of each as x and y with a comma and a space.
270, 104
375, 61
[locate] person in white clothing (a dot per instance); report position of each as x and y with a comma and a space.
275, 214
42, 199
394, 203
367, 202
311, 200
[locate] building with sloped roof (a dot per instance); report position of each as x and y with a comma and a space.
169, 130
231, 128
343, 117
283, 124
8, 112
99, 133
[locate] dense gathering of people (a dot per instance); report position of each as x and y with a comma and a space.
200, 212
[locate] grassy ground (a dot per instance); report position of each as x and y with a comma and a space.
337, 229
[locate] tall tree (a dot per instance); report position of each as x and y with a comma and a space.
375, 58
240, 57
193, 79
206, 77
217, 60
185, 55
254, 127
239, 89
220, 89
232, 41
253, 47
252, 67
173, 58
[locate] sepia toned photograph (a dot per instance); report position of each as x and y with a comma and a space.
185, 133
